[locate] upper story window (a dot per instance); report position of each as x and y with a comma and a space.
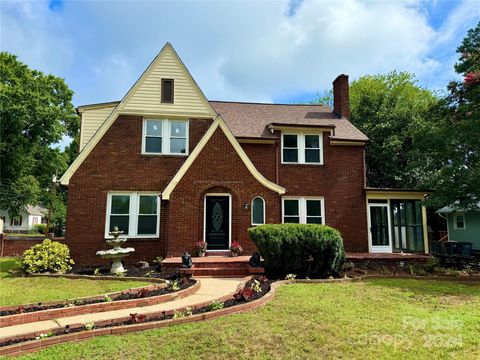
258, 211
168, 137
459, 221
16, 221
303, 210
167, 91
136, 214
302, 149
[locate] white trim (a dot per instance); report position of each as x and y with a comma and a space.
455, 226
219, 122
302, 207
382, 248
301, 148
133, 213
251, 211
229, 218
166, 136
65, 179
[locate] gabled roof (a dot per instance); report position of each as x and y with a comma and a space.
126, 105
250, 120
219, 123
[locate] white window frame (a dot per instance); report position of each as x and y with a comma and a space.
302, 207
166, 136
301, 148
455, 221
133, 213
251, 212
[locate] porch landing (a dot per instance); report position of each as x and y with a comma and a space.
226, 266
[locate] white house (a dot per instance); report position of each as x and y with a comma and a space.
24, 222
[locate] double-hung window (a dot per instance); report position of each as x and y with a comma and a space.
136, 214
459, 221
302, 149
303, 210
168, 137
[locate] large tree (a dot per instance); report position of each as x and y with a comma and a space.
389, 109
35, 113
452, 145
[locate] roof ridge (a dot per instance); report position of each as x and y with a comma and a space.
265, 103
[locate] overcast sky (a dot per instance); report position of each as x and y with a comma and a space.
272, 51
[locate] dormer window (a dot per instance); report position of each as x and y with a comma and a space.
167, 91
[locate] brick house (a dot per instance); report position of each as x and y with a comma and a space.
170, 168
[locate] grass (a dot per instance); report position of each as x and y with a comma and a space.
376, 319
22, 290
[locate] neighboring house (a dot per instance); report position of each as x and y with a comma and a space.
462, 225
170, 168
23, 223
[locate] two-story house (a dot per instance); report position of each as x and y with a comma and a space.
170, 168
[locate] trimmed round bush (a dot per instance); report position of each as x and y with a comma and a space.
49, 256
314, 251
39, 228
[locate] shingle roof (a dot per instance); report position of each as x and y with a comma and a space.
250, 120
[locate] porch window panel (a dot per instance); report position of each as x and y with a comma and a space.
153, 136
290, 148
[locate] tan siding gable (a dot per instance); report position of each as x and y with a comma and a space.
146, 97
92, 119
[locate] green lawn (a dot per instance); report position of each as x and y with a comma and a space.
376, 319
22, 290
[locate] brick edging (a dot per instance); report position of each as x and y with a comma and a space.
49, 314
35, 345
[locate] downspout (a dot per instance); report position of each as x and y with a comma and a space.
276, 162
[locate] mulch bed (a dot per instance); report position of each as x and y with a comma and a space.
184, 283
131, 271
136, 318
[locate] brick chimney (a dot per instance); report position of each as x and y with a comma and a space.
340, 96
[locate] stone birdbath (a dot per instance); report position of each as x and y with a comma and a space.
116, 253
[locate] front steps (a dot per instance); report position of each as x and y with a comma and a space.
212, 266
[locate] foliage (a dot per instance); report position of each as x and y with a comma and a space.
49, 256
138, 318
107, 298
389, 109
201, 246
181, 314
173, 285
256, 286
377, 319
290, 277
89, 326
306, 250
39, 228
215, 305
452, 139
236, 247
244, 294
36, 112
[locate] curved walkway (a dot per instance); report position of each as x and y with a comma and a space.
210, 290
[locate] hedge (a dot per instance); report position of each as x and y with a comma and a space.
314, 251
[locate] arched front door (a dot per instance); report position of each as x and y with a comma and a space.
217, 221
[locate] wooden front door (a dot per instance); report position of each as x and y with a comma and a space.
217, 222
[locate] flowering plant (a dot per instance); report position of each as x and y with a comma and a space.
201, 246
236, 247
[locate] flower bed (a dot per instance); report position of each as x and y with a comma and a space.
260, 287
150, 295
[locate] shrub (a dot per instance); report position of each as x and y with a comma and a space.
307, 250
49, 256
39, 228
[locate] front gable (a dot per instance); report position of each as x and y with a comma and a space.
144, 98
220, 126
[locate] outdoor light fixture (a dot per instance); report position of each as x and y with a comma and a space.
245, 206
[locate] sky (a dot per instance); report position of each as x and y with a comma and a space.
280, 51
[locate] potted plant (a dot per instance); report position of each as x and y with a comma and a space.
201, 248
236, 248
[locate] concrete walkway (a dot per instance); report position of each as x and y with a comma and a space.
210, 289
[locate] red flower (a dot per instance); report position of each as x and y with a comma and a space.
471, 77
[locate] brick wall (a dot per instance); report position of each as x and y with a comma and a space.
116, 164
